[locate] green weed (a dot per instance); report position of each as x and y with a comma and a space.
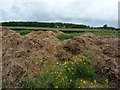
24, 32
68, 36
64, 75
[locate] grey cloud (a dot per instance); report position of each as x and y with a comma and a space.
75, 12
4, 15
15, 9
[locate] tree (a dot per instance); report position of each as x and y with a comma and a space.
105, 26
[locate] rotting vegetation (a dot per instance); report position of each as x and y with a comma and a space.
27, 57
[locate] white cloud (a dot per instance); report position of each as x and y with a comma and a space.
92, 12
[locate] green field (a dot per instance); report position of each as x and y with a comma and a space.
68, 36
66, 29
27, 30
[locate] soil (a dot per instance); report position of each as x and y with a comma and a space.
27, 53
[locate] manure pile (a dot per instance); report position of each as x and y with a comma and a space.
28, 53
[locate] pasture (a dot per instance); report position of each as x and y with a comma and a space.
66, 29
70, 32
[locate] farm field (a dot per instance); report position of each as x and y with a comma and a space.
67, 29
72, 35
68, 35
72, 32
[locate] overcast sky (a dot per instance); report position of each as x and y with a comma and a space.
90, 12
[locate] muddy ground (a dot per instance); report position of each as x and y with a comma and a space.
28, 53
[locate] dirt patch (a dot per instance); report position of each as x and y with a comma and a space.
28, 53
105, 47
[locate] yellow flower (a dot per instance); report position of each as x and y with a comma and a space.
75, 61
91, 83
94, 81
64, 63
88, 60
81, 80
72, 63
57, 63
63, 79
60, 72
70, 80
84, 81
80, 60
106, 81
78, 87
105, 85
36, 63
90, 86
56, 86
82, 56
69, 69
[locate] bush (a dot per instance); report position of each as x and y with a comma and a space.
24, 32
64, 75
68, 36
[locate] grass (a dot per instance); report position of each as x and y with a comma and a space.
107, 33
68, 36
72, 35
24, 32
65, 75
66, 29
27, 30
5, 82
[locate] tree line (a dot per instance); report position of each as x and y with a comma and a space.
53, 25
44, 24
